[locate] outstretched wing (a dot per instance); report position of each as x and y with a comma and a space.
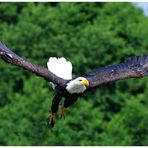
131, 68
10, 57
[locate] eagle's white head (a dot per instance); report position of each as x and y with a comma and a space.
63, 69
77, 85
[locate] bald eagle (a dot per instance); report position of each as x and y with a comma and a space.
59, 72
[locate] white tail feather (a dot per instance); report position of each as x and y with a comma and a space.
60, 67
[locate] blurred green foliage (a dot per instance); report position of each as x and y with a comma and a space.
90, 35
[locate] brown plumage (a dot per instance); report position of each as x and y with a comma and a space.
131, 68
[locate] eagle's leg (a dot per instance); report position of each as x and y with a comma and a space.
67, 103
51, 119
54, 108
62, 111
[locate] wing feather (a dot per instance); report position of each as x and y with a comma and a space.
131, 68
10, 57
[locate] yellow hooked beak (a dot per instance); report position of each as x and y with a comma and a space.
85, 82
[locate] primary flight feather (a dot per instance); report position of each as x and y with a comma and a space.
59, 72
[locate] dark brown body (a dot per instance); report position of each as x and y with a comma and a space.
62, 93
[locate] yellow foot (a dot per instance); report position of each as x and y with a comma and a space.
62, 111
51, 119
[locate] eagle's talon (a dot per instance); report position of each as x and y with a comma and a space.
51, 119
62, 112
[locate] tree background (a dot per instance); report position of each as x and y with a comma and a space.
90, 35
